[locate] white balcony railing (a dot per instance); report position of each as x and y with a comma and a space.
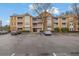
19, 26
27, 26
55, 21
63, 21
19, 20
55, 26
36, 26
37, 21
64, 26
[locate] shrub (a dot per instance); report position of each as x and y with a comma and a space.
56, 29
64, 29
25, 31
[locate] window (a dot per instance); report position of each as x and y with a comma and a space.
63, 23
63, 18
48, 26
19, 29
19, 17
19, 22
71, 24
56, 23
71, 29
34, 23
56, 18
39, 18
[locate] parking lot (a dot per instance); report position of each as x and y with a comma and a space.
34, 44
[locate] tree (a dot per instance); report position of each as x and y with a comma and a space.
39, 8
66, 13
75, 8
6, 27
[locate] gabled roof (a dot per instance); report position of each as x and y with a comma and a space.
26, 14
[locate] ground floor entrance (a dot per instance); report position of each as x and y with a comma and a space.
34, 30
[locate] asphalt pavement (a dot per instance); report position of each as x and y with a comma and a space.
39, 45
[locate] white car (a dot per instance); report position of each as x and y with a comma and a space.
3, 32
47, 33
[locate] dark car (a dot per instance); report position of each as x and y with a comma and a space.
15, 32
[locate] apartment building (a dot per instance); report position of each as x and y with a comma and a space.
37, 24
72, 22
0, 25
21, 22
43, 22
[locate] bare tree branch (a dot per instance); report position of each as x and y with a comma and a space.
41, 7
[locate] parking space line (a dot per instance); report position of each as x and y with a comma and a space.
12, 54
54, 54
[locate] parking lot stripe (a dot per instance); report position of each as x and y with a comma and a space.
54, 54
12, 54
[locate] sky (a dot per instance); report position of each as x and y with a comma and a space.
7, 9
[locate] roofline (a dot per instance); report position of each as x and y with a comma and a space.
26, 14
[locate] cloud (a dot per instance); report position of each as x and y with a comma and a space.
54, 10
31, 7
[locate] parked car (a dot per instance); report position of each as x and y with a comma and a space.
48, 33
3, 32
15, 32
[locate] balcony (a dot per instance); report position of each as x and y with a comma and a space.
37, 26
63, 21
19, 19
19, 29
55, 21
64, 26
37, 21
55, 26
27, 26
19, 23
19, 26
